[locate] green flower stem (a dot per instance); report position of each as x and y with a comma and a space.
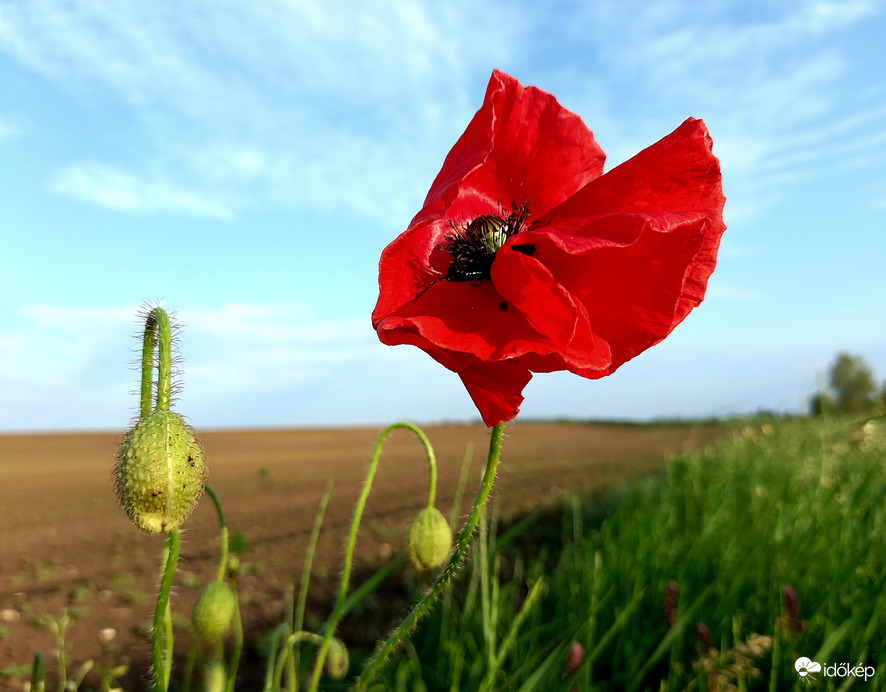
299, 619
157, 334
223, 531
234, 661
163, 615
352, 538
374, 662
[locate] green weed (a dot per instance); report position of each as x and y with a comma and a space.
742, 559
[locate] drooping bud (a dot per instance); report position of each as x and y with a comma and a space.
160, 472
429, 539
338, 660
213, 612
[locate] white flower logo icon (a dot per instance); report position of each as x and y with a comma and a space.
805, 667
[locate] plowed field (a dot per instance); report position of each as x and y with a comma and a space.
64, 544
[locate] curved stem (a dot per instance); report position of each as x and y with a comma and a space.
223, 531
352, 538
234, 661
374, 662
163, 616
157, 334
299, 619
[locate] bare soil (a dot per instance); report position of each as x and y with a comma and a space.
65, 545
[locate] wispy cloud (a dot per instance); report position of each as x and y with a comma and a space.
110, 187
771, 83
58, 347
275, 102
241, 364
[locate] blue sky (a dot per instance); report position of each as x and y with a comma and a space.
245, 163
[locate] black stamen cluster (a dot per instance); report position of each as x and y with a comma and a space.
473, 246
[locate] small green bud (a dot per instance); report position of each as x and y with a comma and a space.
213, 612
429, 539
160, 472
337, 659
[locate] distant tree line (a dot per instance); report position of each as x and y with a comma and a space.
851, 388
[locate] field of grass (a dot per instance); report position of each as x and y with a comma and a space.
718, 574
744, 558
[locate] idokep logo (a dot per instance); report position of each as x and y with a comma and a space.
806, 668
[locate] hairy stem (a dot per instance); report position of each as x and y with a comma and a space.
375, 662
157, 334
338, 610
162, 634
223, 533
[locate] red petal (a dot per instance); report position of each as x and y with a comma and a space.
521, 146
468, 318
679, 173
495, 389
406, 269
529, 286
629, 272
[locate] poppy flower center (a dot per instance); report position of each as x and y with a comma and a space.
474, 245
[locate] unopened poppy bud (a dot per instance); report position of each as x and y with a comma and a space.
338, 660
429, 539
160, 472
213, 612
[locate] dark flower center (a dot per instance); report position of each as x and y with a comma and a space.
473, 246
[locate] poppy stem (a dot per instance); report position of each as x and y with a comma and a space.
339, 608
162, 634
378, 658
223, 531
157, 334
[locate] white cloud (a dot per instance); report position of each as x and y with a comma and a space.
277, 102
240, 347
771, 81
110, 187
55, 346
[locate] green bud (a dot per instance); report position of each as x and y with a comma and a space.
429, 539
337, 659
160, 472
213, 612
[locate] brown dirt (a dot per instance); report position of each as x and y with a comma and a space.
64, 544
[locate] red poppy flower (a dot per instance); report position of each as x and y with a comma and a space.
527, 258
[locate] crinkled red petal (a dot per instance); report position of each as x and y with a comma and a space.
679, 173
628, 271
496, 389
521, 146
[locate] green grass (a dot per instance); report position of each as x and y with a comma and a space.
794, 507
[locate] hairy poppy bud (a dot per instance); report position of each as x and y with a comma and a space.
429, 539
160, 472
213, 612
337, 659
